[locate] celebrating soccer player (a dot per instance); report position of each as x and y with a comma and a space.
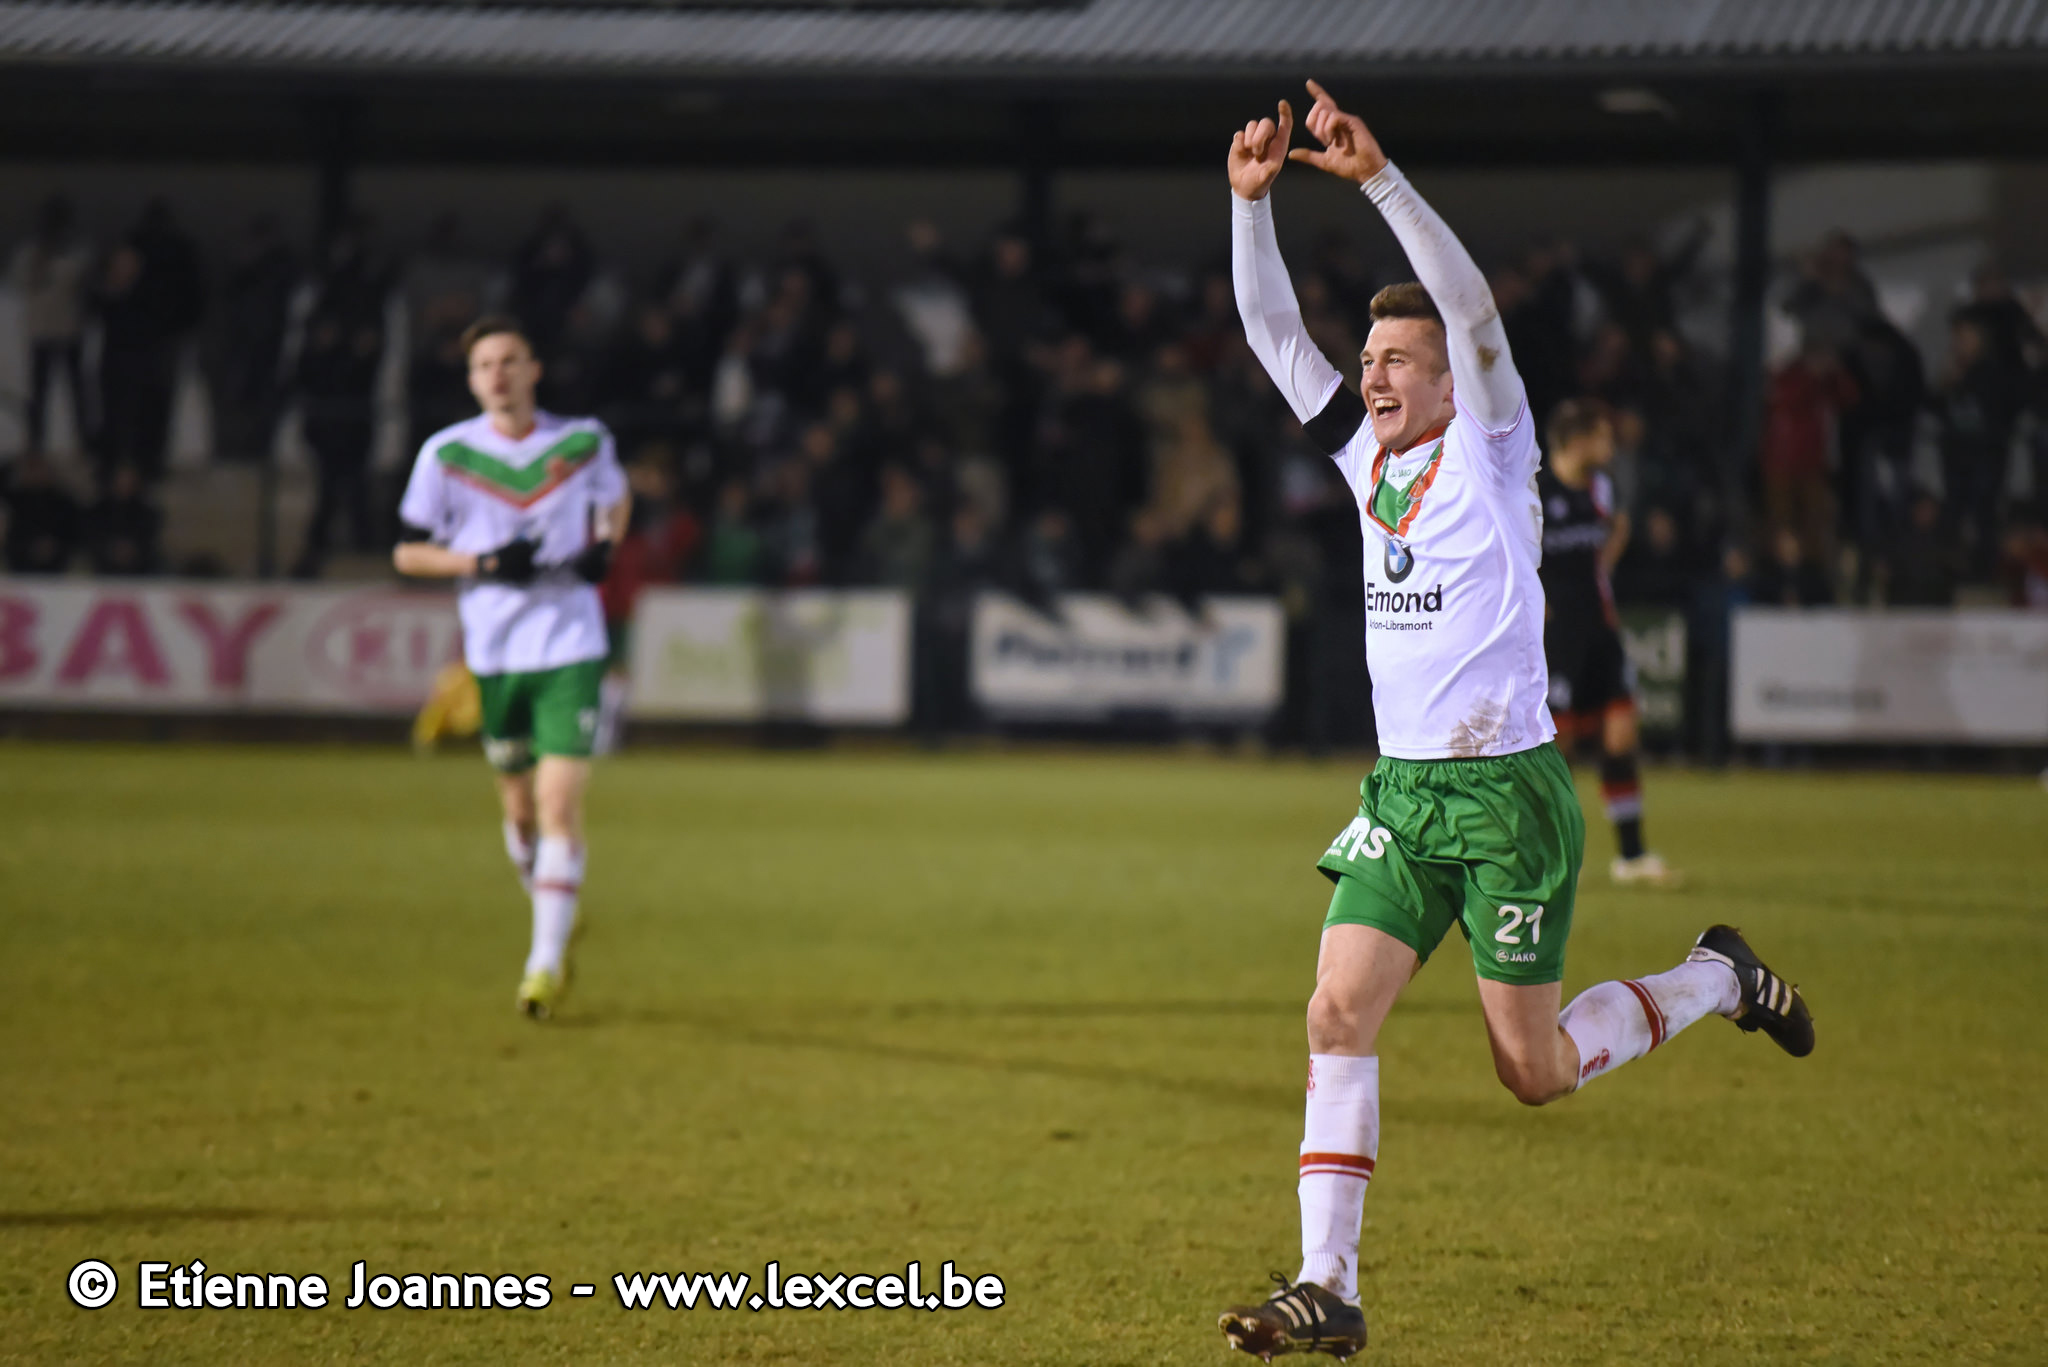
524, 507
1469, 818
1592, 686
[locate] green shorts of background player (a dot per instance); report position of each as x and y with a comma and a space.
530, 716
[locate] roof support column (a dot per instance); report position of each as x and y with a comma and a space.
332, 126
1752, 285
1746, 361
1037, 137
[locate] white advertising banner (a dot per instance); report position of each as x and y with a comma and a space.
1823, 674
736, 655
132, 645
1097, 658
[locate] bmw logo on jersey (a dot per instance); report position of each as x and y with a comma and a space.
1400, 562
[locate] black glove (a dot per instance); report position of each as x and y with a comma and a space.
511, 563
594, 562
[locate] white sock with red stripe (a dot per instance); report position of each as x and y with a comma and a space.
1615, 1022
1340, 1141
519, 849
557, 878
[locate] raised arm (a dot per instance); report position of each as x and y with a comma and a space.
1265, 296
1487, 385
1272, 316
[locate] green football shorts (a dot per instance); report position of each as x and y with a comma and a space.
1490, 845
545, 712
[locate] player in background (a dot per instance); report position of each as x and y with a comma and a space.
524, 508
1469, 818
1592, 684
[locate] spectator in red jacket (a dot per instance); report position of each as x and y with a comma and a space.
656, 549
1807, 396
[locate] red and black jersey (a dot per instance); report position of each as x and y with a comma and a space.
1576, 523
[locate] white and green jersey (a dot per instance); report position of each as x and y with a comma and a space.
474, 489
1453, 535
1453, 527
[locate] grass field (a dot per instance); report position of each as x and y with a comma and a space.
1037, 1014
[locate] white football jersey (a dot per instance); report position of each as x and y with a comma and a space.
1453, 604
474, 489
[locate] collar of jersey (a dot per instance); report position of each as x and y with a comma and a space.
1416, 487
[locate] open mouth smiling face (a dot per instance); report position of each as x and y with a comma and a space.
1406, 380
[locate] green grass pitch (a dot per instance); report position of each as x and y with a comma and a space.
1039, 1014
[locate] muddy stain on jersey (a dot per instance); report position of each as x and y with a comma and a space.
1475, 736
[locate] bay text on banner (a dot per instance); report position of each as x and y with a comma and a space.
173, 646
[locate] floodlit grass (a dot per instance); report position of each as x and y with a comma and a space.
1036, 1014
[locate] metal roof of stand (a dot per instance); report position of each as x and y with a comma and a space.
1148, 39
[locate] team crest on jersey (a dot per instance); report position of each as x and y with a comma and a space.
1400, 561
1392, 507
522, 486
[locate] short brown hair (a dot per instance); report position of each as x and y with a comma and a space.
492, 325
1576, 418
1407, 300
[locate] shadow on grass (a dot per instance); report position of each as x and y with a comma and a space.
1267, 1094
831, 1039
1042, 1010
141, 1217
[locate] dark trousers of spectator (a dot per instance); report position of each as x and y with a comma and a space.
245, 429
341, 458
247, 405
45, 359
1883, 485
942, 689
1336, 697
2039, 455
136, 389
1975, 475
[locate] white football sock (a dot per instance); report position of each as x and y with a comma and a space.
1614, 1022
1339, 1143
557, 878
519, 849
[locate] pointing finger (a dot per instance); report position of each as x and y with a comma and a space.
1322, 95
1286, 120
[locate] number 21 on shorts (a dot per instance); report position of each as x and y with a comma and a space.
1515, 918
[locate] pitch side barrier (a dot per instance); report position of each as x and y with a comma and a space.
1090, 658
1846, 676
829, 658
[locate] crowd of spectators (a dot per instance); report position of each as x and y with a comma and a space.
1041, 415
